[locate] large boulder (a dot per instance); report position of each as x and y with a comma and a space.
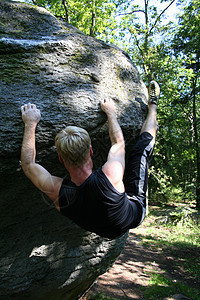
43, 255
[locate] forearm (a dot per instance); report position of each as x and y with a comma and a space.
28, 151
115, 132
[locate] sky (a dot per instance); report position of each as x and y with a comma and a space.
170, 13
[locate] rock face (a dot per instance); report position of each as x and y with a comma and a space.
65, 73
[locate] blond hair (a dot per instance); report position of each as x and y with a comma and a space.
73, 145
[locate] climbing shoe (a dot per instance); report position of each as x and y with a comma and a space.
154, 92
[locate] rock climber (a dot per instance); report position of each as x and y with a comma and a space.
104, 201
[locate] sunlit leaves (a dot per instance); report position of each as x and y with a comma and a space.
95, 15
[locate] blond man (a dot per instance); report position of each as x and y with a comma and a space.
103, 201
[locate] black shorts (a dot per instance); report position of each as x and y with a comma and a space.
136, 171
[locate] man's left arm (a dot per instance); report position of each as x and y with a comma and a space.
39, 176
114, 167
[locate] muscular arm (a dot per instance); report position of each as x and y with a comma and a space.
114, 167
40, 177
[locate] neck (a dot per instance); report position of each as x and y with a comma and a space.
79, 174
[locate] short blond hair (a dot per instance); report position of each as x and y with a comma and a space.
73, 145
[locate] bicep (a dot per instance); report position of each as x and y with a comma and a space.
117, 154
114, 167
44, 181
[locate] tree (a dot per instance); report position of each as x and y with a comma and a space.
175, 162
143, 26
91, 17
154, 55
187, 45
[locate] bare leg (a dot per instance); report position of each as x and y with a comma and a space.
150, 124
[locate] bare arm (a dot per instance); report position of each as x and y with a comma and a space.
40, 177
114, 167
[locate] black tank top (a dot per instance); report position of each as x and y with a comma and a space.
97, 206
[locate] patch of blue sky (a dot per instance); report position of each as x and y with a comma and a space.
170, 15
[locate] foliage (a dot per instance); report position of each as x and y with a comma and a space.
170, 235
179, 241
100, 296
180, 216
175, 171
141, 26
160, 286
174, 153
91, 17
187, 46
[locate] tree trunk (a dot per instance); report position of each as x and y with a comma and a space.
66, 11
196, 142
93, 19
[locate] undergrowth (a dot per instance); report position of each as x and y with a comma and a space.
174, 233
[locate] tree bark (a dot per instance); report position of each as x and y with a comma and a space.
196, 142
66, 11
92, 28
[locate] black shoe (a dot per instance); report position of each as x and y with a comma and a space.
154, 92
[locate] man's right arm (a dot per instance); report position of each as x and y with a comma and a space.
40, 177
114, 167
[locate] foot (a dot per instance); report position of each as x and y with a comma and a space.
154, 92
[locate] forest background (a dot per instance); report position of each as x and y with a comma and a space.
163, 40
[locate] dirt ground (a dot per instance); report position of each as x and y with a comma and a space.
132, 271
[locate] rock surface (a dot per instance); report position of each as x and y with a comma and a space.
65, 73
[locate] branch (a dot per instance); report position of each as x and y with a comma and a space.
142, 54
132, 12
153, 26
35, 2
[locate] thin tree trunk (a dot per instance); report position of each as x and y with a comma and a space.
66, 11
147, 27
93, 19
196, 142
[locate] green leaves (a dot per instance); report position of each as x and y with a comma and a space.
189, 30
92, 17
186, 44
